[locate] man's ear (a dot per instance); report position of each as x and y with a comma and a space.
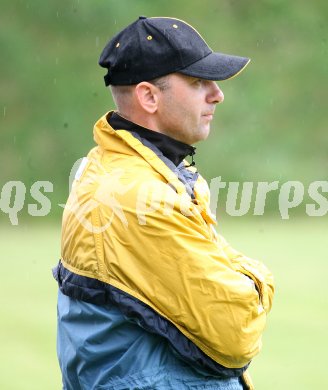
147, 95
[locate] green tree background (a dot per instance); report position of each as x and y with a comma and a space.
270, 127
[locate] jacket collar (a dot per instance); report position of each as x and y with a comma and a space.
125, 142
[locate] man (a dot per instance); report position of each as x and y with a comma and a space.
150, 296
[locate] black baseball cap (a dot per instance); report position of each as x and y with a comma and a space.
154, 47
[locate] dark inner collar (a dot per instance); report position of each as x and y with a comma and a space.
174, 150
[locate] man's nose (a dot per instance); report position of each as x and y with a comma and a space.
215, 94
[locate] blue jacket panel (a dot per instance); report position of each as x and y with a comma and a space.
99, 293
99, 348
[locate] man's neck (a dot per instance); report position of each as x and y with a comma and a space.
174, 150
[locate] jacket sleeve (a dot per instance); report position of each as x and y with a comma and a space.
257, 271
164, 255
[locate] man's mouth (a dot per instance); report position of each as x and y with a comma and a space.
209, 115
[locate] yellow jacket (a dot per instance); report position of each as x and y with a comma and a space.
130, 223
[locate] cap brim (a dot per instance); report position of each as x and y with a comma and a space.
216, 66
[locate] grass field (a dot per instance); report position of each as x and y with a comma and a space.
295, 341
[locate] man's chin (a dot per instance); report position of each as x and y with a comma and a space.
205, 132
202, 136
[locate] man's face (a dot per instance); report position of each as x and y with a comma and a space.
186, 107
